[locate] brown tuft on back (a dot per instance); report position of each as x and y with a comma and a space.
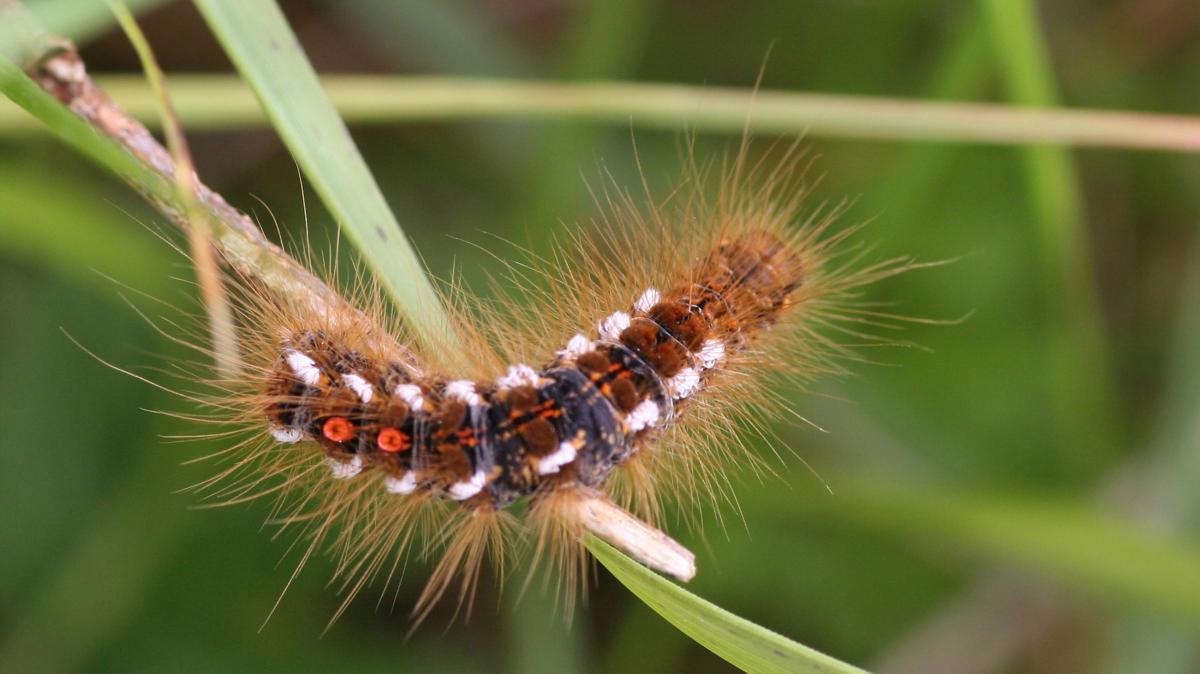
745, 283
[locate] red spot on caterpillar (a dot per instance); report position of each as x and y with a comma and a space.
338, 429
393, 440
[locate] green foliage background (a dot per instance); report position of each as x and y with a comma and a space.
1016, 496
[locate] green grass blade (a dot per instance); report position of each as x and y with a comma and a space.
749, 647
82, 20
1077, 545
258, 39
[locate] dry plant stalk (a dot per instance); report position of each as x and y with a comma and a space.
60, 71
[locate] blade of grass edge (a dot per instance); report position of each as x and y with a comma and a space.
742, 643
257, 38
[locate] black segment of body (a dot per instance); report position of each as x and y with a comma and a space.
589, 421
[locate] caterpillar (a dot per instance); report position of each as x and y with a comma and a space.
486, 444
622, 379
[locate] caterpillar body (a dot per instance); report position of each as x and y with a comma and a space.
646, 354
572, 421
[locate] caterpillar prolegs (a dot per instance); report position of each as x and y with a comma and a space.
624, 378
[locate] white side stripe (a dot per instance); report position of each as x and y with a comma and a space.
711, 353
577, 346
344, 470
401, 485
647, 300
304, 367
685, 383
287, 436
643, 416
411, 395
611, 327
463, 390
518, 375
460, 491
361, 388
552, 463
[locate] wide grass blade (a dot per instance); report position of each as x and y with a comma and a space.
1077, 545
82, 20
744, 644
258, 39
1080, 374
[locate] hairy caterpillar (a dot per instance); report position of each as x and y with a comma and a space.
623, 380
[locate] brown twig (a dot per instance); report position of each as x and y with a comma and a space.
60, 70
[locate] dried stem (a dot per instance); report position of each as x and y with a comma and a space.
222, 328
639, 540
61, 71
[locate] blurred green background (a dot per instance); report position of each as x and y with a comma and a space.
1016, 496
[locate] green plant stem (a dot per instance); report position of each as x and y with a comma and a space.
1082, 390
220, 102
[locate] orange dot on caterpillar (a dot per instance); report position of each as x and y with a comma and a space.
338, 429
393, 440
